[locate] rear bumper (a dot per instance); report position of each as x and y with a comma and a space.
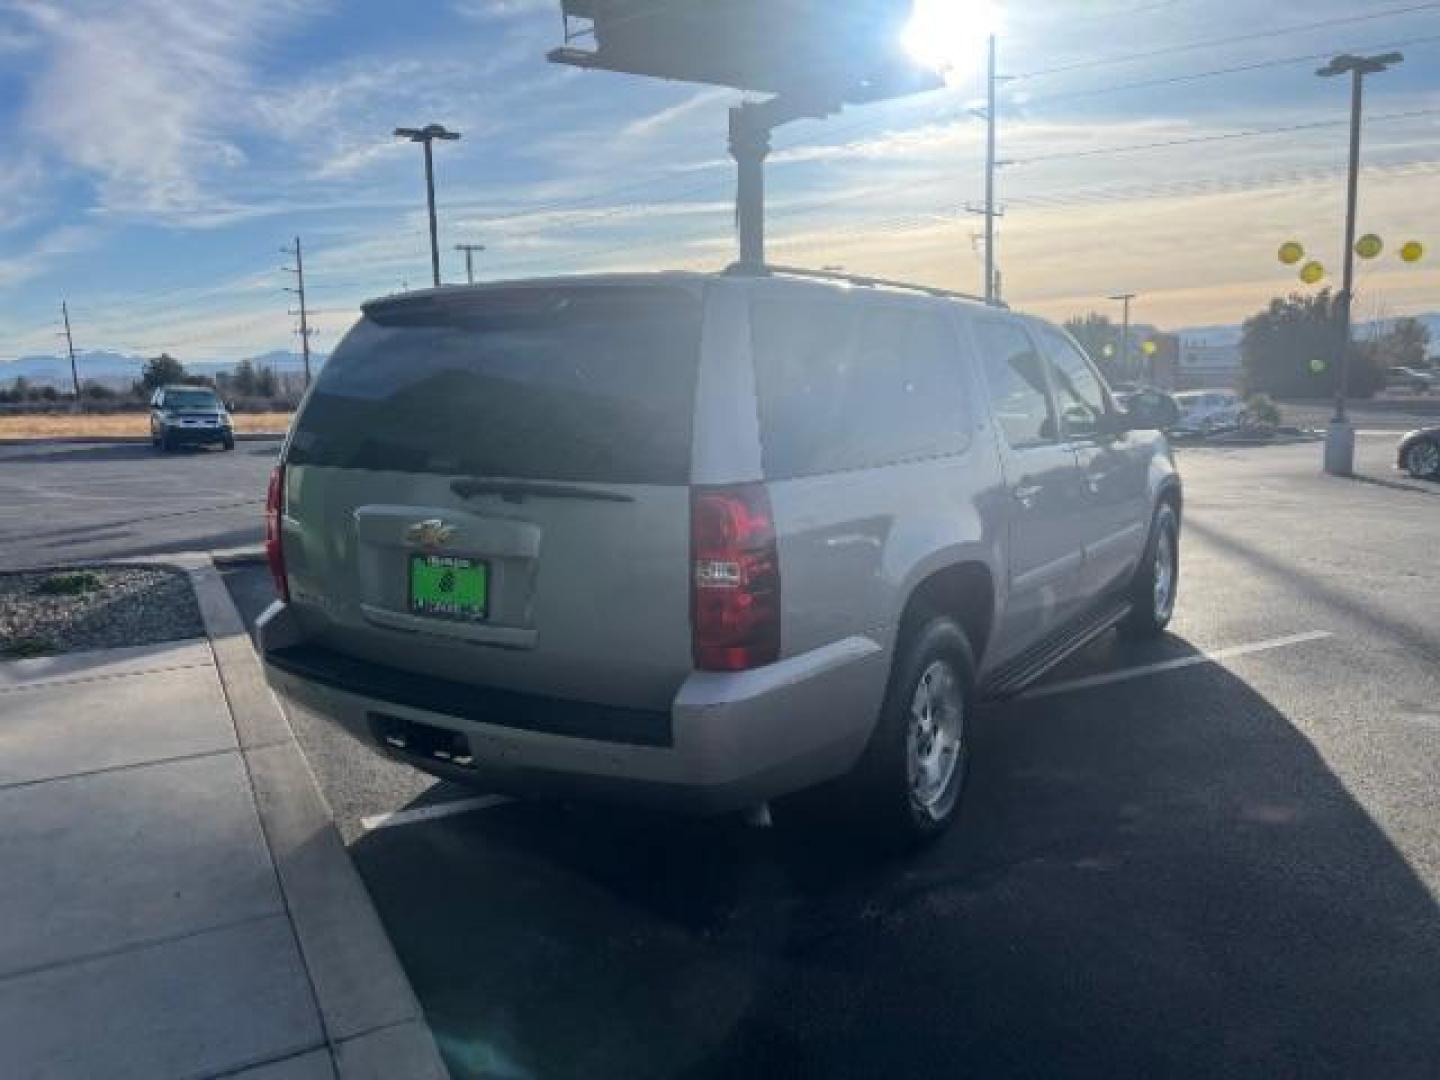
728, 740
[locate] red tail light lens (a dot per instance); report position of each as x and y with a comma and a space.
735, 579
274, 550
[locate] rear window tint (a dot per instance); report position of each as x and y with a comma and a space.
557, 384
850, 386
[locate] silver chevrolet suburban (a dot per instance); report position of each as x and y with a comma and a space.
706, 540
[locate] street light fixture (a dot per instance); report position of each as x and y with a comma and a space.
1340, 438
469, 250
425, 136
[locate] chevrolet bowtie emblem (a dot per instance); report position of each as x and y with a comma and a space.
430, 533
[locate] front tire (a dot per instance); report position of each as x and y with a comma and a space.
228, 443
1157, 581
908, 783
1422, 459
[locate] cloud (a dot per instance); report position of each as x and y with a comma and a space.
45, 251
656, 122
138, 95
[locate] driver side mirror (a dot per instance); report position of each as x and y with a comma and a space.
1148, 410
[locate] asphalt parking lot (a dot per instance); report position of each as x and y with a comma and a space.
1216, 854
68, 502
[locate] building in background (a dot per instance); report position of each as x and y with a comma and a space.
1204, 365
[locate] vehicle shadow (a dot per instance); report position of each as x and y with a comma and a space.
87, 453
1157, 877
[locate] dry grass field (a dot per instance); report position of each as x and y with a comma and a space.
55, 425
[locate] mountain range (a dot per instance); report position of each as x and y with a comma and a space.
116, 369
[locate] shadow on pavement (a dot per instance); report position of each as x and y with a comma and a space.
1397, 485
82, 453
1160, 877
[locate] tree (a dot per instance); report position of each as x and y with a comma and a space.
243, 380
1099, 337
162, 370
22, 388
1290, 349
96, 391
265, 384
1405, 343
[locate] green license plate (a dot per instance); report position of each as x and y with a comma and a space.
449, 587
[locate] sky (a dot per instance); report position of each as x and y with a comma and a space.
158, 154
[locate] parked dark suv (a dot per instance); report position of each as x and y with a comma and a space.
189, 415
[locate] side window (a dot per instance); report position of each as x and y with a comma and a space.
846, 386
1078, 391
1015, 375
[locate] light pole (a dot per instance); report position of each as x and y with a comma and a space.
1124, 298
469, 250
425, 136
1340, 438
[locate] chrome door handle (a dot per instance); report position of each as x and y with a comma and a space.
1026, 493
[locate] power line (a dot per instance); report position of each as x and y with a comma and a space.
1196, 76
1226, 136
1235, 39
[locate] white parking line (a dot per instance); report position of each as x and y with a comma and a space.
1179, 662
430, 813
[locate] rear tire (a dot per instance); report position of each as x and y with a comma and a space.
1157, 580
1422, 459
906, 788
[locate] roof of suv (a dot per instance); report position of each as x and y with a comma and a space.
819, 280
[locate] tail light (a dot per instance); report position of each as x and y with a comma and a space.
735, 584
274, 550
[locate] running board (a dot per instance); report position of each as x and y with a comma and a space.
1013, 676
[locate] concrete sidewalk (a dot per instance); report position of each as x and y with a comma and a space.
174, 901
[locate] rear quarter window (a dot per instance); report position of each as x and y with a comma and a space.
591, 384
849, 386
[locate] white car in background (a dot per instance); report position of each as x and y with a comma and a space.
1203, 412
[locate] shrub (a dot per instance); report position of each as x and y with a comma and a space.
69, 584
1261, 409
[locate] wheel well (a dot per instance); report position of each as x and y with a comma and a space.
965, 592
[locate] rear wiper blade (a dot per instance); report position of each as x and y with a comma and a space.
517, 490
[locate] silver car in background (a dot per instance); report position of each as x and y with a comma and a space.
706, 541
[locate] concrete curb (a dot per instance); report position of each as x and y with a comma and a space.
127, 440
372, 1019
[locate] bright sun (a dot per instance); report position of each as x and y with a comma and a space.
949, 35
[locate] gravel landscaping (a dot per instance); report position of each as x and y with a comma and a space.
48, 612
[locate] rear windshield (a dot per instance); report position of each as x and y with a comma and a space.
556, 384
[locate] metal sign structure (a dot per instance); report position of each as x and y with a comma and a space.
813, 57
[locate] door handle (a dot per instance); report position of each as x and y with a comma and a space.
1025, 494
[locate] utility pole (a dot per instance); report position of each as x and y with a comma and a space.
990, 174
425, 136
990, 211
1340, 438
469, 250
299, 271
70, 345
1124, 298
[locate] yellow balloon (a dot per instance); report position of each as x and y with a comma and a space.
1149, 348
1413, 251
1312, 272
1368, 246
1291, 252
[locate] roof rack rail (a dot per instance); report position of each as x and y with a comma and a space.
866, 280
